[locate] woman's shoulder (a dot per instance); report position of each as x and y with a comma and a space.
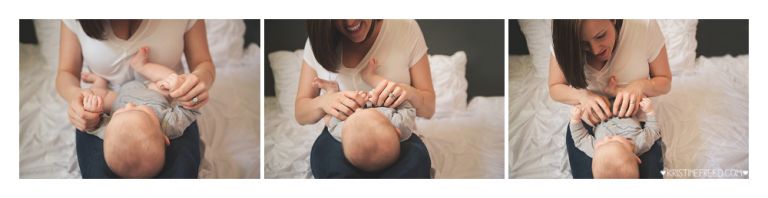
401, 25
639, 24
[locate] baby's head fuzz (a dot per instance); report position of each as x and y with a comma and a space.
134, 145
614, 158
370, 142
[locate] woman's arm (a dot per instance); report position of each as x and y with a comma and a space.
595, 106
419, 93
422, 93
200, 65
70, 65
68, 81
307, 107
628, 98
559, 89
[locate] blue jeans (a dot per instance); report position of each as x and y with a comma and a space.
182, 156
327, 160
581, 163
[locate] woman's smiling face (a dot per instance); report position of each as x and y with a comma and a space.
356, 30
598, 38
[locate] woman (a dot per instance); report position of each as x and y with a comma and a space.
588, 54
338, 50
105, 46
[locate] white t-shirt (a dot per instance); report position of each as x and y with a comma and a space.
639, 43
399, 45
109, 58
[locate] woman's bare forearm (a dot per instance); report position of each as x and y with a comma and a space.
67, 85
566, 94
308, 110
422, 100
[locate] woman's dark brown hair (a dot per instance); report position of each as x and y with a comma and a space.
325, 40
566, 41
94, 28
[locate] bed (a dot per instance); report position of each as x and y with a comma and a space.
465, 140
229, 124
704, 118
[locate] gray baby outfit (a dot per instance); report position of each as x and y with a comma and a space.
174, 118
643, 138
403, 117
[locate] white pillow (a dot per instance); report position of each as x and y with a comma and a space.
450, 83
538, 36
225, 41
448, 77
286, 68
680, 36
47, 32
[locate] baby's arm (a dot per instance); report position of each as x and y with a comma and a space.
651, 132
176, 119
581, 138
404, 120
152, 71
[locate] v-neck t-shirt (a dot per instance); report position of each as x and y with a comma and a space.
399, 46
109, 58
639, 43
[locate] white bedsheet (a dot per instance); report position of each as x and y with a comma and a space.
229, 124
704, 122
469, 145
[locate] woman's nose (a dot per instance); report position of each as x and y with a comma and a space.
349, 22
594, 48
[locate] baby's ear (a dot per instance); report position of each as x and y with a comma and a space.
638, 160
167, 141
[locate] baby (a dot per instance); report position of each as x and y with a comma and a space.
619, 142
141, 121
371, 136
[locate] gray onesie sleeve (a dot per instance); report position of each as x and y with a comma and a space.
582, 139
649, 134
176, 119
403, 118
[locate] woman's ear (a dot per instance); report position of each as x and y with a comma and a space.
167, 141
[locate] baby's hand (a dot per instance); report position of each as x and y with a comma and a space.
141, 58
327, 85
92, 103
646, 105
576, 114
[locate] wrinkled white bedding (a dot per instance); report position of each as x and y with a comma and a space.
704, 121
229, 125
467, 145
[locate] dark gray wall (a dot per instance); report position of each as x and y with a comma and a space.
720, 37
482, 40
715, 37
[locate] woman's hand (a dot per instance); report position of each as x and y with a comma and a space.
388, 94
628, 98
192, 93
595, 107
79, 117
342, 104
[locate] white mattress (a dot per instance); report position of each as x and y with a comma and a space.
229, 126
704, 121
470, 145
